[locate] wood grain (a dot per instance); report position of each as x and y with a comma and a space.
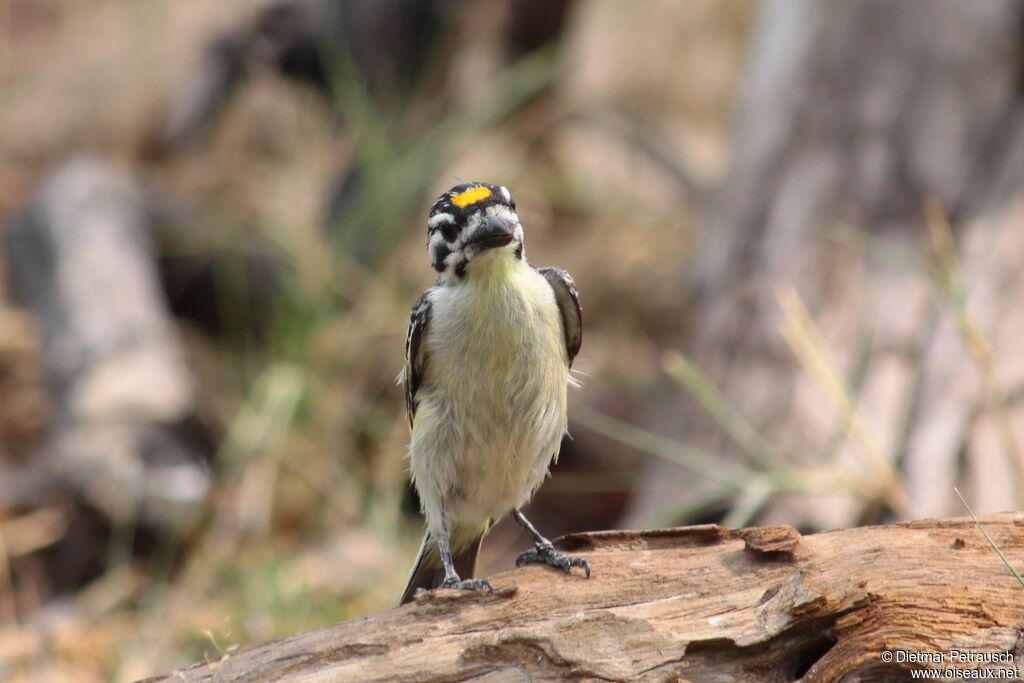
701, 603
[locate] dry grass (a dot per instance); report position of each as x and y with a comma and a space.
309, 522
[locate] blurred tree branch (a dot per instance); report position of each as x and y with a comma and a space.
851, 119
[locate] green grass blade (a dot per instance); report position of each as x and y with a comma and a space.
991, 542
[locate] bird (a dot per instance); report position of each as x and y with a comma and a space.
487, 367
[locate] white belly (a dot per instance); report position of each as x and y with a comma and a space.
492, 402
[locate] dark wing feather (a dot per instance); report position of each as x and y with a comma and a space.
568, 301
415, 354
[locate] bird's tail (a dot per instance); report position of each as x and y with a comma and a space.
428, 571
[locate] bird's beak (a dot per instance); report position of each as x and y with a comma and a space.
492, 233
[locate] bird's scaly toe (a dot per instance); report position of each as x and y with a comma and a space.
468, 585
546, 554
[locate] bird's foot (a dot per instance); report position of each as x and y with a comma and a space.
468, 585
546, 554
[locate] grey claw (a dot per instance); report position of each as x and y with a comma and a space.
546, 554
468, 585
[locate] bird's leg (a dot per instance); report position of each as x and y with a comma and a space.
543, 552
451, 578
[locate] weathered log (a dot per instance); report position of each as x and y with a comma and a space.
123, 434
700, 603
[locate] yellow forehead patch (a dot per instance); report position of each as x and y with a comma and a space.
470, 196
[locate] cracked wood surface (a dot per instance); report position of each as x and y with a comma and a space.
699, 603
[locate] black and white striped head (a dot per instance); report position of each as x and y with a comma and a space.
469, 221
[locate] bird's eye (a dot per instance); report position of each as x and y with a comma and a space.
449, 231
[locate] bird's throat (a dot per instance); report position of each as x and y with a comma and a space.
493, 267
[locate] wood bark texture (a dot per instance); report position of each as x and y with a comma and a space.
701, 603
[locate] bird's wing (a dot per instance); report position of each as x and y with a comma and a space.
568, 301
415, 352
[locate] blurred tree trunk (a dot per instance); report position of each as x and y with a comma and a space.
124, 437
852, 117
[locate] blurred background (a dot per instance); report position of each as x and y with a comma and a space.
797, 229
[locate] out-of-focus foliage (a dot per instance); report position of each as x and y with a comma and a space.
301, 205
606, 139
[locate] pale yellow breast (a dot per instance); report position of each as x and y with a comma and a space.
496, 339
496, 378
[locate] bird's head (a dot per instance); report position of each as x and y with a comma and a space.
472, 223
